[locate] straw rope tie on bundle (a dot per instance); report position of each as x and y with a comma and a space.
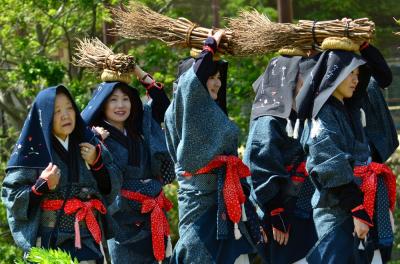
341, 43
268, 36
251, 33
314, 44
189, 32
141, 23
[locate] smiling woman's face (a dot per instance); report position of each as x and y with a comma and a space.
117, 108
213, 85
63, 117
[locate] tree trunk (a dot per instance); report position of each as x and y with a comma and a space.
215, 12
285, 11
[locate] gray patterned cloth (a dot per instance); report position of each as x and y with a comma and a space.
197, 130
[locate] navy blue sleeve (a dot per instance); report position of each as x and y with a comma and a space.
203, 65
349, 195
101, 174
379, 68
159, 104
266, 162
35, 198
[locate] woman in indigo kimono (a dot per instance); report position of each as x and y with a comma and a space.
353, 195
276, 159
379, 125
137, 143
203, 144
56, 178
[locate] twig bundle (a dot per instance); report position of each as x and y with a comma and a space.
140, 22
93, 54
251, 33
255, 34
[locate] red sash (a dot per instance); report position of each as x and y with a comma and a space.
232, 190
83, 211
369, 175
298, 174
159, 222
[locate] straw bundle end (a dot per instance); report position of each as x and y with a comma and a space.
339, 43
113, 76
194, 53
287, 51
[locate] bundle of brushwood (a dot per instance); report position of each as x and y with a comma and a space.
251, 33
254, 33
97, 57
137, 21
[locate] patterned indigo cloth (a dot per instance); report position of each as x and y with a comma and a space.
335, 142
331, 144
268, 151
380, 128
275, 88
132, 230
32, 153
271, 148
197, 130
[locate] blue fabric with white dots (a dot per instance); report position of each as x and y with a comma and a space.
197, 130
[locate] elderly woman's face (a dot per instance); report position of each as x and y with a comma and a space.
64, 116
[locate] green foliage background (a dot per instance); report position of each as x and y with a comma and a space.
37, 39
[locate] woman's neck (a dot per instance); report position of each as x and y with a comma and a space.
118, 125
338, 96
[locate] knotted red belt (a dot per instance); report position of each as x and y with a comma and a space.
84, 211
232, 190
159, 222
299, 173
369, 175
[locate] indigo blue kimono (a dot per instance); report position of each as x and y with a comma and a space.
145, 165
197, 131
380, 129
32, 225
335, 142
271, 148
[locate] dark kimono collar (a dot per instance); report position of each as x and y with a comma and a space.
131, 144
34, 148
332, 67
222, 66
275, 88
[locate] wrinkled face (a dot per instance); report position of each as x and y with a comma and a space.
64, 116
117, 108
213, 85
347, 87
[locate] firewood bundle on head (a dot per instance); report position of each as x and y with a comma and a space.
255, 34
251, 33
97, 57
141, 23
